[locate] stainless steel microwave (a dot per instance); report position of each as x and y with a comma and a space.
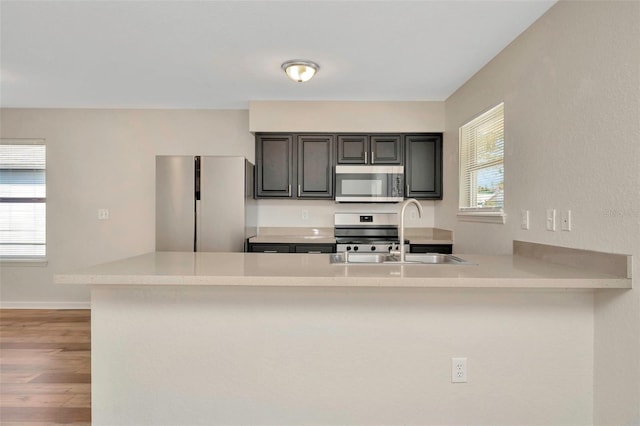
369, 184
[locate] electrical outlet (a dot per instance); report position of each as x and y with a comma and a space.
413, 215
103, 214
565, 222
458, 370
305, 214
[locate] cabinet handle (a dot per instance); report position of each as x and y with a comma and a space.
289, 191
298, 190
373, 157
407, 193
314, 252
365, 157
270, 251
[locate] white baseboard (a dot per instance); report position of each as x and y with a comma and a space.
45, 305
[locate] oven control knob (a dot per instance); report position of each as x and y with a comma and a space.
348, 248
355, 248
373, 248
390, 248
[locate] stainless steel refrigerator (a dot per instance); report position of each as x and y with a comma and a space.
204, 203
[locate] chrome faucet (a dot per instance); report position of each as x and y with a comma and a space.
401, 226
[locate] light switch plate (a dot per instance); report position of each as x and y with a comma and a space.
551, 219
524, 219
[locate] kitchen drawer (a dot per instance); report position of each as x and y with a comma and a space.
270, 248
431, 248
315, 248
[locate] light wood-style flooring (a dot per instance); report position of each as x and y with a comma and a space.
45, 367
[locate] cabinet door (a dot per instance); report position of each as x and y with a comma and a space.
315, 166
353, 149
274, 166
386, 149
423, 166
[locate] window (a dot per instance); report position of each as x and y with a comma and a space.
22, 199
482, 168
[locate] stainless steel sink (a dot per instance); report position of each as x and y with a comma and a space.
387, 258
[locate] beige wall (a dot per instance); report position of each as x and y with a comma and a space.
345, 116
571, 88
106, 159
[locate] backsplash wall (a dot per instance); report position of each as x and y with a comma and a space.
289, 213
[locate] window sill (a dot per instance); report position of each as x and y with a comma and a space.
22, 262
483, 217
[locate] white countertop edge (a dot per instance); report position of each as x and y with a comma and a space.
373, 282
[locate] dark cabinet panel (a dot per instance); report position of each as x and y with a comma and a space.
386, 149
270, 248
291, 248
274, 165
315, 166
431, 248
423, 166
315, 248
353, 149
370, 149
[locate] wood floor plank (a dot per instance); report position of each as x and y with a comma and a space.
45, 414
45, 367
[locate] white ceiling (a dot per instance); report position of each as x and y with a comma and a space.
221, 54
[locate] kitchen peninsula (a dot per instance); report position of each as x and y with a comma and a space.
253, 338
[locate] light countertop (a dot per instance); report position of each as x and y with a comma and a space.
305, 270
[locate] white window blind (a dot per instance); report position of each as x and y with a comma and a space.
482, 165
22, 199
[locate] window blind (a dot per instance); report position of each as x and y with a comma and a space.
22, 199
482, 163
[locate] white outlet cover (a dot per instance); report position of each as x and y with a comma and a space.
458, 370
565, 221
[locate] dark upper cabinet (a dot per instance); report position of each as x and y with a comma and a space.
274, 165
295, 165
369, 149
423, 166
353, 149
315, 166
385, 149
301, 165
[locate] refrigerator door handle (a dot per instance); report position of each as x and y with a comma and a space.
197, 221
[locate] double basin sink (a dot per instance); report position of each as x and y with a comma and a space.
388, 258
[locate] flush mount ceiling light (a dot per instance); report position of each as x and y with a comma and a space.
300, 71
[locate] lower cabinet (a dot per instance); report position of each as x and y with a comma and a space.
315, 248
291, 248
270, 248
431, 248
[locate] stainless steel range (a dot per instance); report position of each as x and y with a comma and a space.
366, 232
